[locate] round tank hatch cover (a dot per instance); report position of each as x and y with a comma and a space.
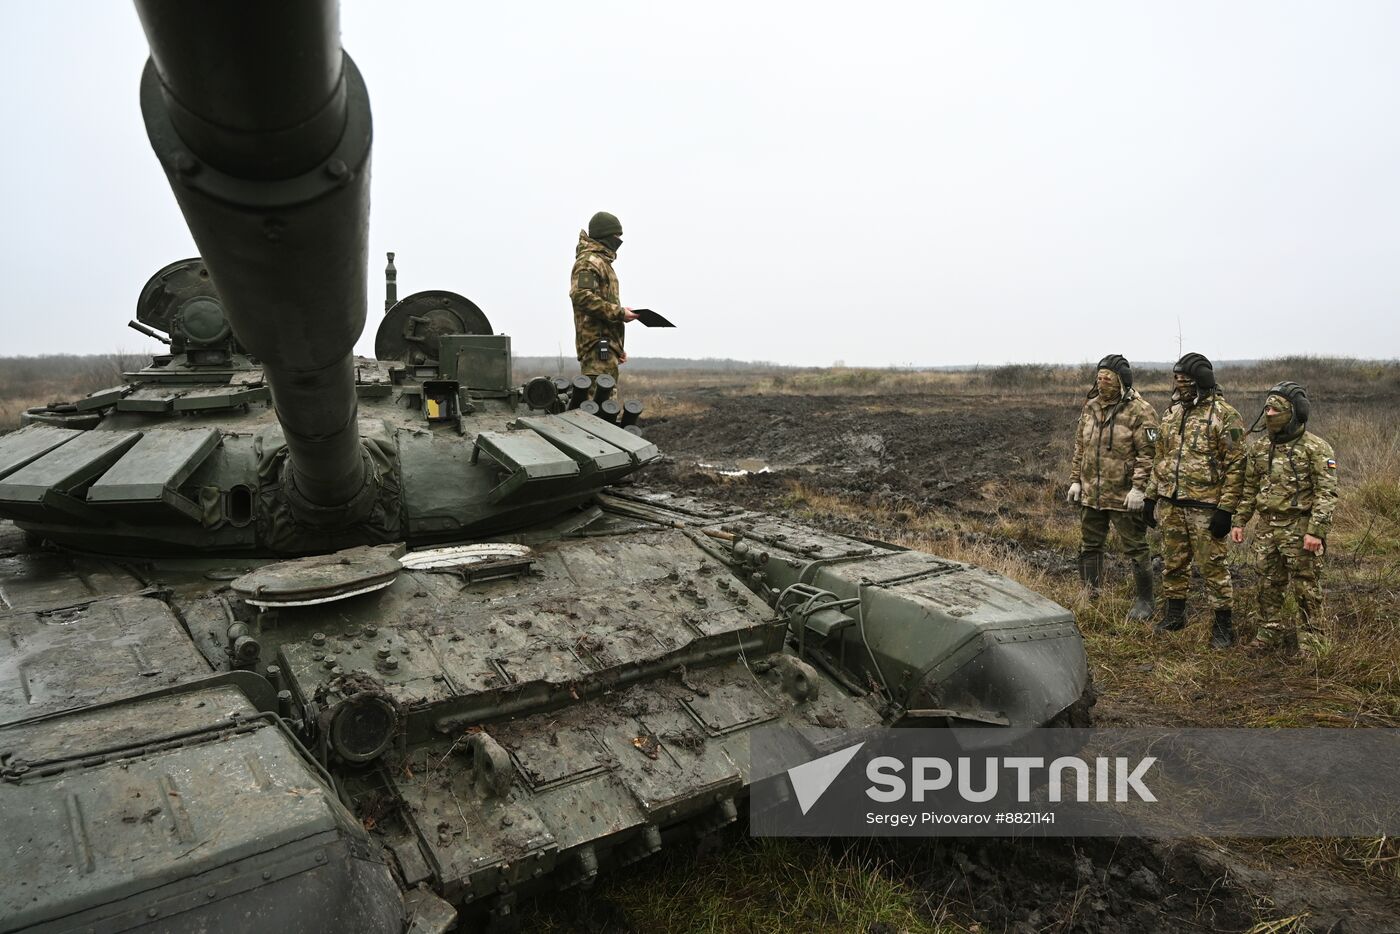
411, 329
473, 562
320, 578
171, 288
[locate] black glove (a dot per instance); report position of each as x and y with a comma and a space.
1220, 523
1149, 513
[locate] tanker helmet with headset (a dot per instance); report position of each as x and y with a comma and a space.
1118, 364
1297, 398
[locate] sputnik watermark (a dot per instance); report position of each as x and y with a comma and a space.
810, 780
928, 774
1150, 782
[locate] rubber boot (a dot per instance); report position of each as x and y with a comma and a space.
1142, 582
1091, 571
1175, 617
1222, 634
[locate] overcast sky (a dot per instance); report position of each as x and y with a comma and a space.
876, 183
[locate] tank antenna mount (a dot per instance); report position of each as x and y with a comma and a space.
391, 284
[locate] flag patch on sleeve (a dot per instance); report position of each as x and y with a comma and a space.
1331, 463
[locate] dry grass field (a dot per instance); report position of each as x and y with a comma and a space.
26, 382
972, 466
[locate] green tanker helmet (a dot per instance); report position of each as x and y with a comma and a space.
1198, 368
1297, 398
1118, 364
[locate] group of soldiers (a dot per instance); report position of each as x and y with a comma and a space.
1199, 478
1194, 474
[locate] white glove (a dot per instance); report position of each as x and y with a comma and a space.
1073, 495
1134, 500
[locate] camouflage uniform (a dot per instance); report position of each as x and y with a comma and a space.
1113, 448
598, 314
1291, 485
1198, 468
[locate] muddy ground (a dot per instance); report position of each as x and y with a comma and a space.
936, 450
957, 454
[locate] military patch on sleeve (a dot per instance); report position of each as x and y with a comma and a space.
1152, 435
1236, 434
1331, 463
587, 279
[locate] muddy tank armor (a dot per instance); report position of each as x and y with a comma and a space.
296, 640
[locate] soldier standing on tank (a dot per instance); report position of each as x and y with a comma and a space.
599, 316
1197, 474
1109, 472
1290, 483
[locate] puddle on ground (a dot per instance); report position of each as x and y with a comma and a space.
740, 468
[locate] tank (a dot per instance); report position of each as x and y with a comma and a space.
301, 640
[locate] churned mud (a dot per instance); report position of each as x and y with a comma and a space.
918, 451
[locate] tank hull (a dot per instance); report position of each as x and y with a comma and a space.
546, 724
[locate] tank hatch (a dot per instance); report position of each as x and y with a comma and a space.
483, 562
321, 578
412, 329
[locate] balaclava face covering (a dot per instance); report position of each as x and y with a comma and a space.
1279, 420
606, 229
1288, 397
1118, 365
1109, 386
1198, 370
1185, 391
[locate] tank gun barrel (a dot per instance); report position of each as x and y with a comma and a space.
262, 124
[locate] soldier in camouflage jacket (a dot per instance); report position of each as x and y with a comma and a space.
1197, 473
599, 316
1109, 471
1290, 483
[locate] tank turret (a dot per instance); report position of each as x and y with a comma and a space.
260, 432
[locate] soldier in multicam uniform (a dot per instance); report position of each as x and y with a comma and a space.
599, 316
1290, 483
1197, 474
1113, 447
